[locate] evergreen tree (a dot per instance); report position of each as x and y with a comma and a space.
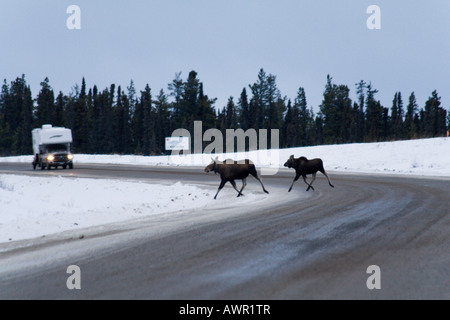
231, 117
45, 109
89, 123
122, 123
257, 102
319, 135
359, 124
304, 120
148, 134
337, 112
434, 117
19, 115
137, 127
106, 110
276, 105
266, 105
190, 108
207, 113
245, 118
60, 103
289, 133
411, 126
132, 100
25, 144
79, 126
396, 119
6, 137
176, 91
374, 116
163, 127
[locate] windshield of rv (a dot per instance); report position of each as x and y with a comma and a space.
57, 147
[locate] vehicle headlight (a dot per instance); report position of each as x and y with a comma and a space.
70, 156
50, 158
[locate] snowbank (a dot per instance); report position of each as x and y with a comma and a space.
37, 206
33, 206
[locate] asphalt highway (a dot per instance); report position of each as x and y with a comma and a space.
301, 245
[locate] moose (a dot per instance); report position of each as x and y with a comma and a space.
303, 167
231, 170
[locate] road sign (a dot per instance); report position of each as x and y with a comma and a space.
177, 143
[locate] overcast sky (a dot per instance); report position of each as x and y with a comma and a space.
227, 42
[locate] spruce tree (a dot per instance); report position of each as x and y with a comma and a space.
231, 118
303, 119
396, 119
289, 133
45, 108
206, 109
79, 125
337, 112
244, 111
176, 91
163, 127
411, 129
434, 117
359, 112
60, 103
374, 116
6, 136
148, 136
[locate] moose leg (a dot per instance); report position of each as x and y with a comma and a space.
309, 186
297, 175
312, 180
325, 174
257, 178
235, 188
244, 183
222, 183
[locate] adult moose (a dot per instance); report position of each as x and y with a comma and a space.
303, 167
231, 170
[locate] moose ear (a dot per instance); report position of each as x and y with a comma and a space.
291, 157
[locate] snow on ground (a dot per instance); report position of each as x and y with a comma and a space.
33, 206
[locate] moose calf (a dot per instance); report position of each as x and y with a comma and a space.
231, 170
303, 167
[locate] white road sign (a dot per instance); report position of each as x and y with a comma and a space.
177, 143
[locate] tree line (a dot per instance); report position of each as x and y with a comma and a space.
124, 121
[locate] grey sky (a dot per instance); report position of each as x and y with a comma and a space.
227, 42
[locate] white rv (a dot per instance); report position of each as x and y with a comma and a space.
51, 147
